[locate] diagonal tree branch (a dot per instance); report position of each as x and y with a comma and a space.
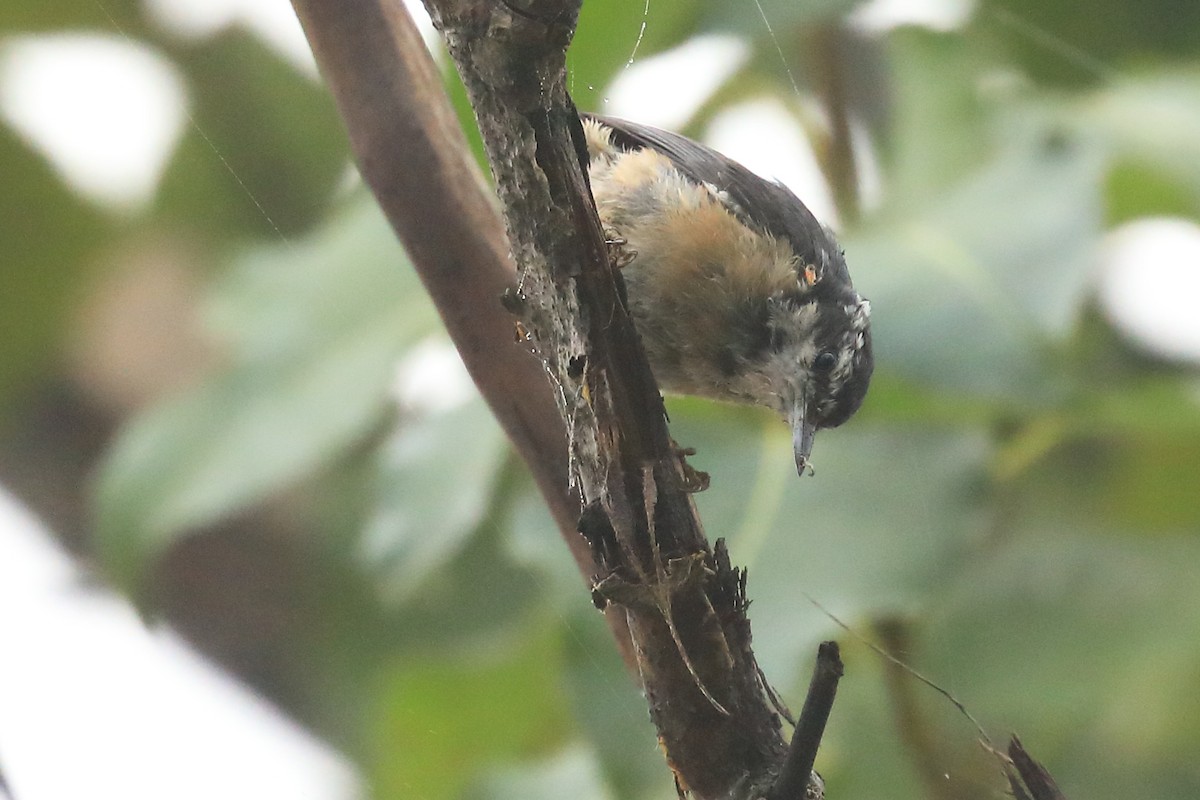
412, 153
642, 546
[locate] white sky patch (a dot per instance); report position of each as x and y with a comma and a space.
94, 705
191, 19
880, 16
1150, 285
104, 111
867, 166
666, 89
764, 137
432, 377
274, 21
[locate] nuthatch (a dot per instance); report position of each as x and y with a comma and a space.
738, 293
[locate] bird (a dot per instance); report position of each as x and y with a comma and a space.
737, 292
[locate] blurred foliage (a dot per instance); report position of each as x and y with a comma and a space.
279, 140
1020, 489
278, 406
48, 234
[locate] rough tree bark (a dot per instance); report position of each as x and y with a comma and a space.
615, 481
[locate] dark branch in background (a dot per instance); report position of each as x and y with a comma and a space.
643, 548
827, 59
911, 726
1028, 779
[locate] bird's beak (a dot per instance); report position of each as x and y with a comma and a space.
803, 433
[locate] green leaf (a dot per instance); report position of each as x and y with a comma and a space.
435, 484
893, 400
1128, 458
439, 722
314, 331
1083, 42
1157, 407
34, 16
938, 127
572, 773
612, 32
970, 292
266, 148
853, 544
533, 540
480, 600
1152, 121
48, 234
1137, 189
1086, 644
461, 103
609, 709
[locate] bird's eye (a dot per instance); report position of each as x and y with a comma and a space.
824, 362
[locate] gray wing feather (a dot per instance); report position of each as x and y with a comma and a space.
762, 204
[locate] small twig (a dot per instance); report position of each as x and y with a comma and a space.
776, 701
793, 781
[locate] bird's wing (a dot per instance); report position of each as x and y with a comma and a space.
762, 204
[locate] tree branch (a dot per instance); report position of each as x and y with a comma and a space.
794, 780
646, 554
412, 153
